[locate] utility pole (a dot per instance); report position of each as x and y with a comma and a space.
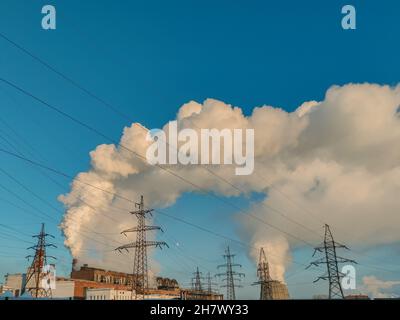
264, 277
231, 275
140, 279
333, 275
196, 281
36, 274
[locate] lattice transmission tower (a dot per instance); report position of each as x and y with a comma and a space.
210, 284
231, 275
197, 281
140, 278
333, 275
264, 277
36, 275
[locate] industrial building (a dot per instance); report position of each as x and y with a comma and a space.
359, 296
108, 294
101, 275
93, 282
14, 283
4, 289
200, 295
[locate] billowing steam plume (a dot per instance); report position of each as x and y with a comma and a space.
334, 161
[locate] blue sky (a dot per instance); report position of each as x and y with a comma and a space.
148, 58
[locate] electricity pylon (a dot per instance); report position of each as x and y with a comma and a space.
140, 278
231, 275
196, 281
264, 277
333, 275
210, 284
35, 275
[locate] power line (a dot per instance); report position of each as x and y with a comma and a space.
56, 183
126, 199
122, 115
56, 171
51, 218
46, 202
65, 77
99, 133
118, 112
316, 216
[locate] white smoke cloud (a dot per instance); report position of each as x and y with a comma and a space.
337, 160
377, 288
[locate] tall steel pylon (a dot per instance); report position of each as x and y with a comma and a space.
210, 284
36, 274
196, 281
140, 278
231, 275
264, 277
333, 275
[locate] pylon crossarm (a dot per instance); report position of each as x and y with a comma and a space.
42, 235
161, 244
145, 243
315, 263
127, 246
138, 229
236, 265
317, 249
239, 274
321, 278
237, 279
339, 245
142, 212
345, 260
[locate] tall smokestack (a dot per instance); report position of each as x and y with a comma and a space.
74, 264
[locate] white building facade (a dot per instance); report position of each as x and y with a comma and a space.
108, 294
64, 289
15, 283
